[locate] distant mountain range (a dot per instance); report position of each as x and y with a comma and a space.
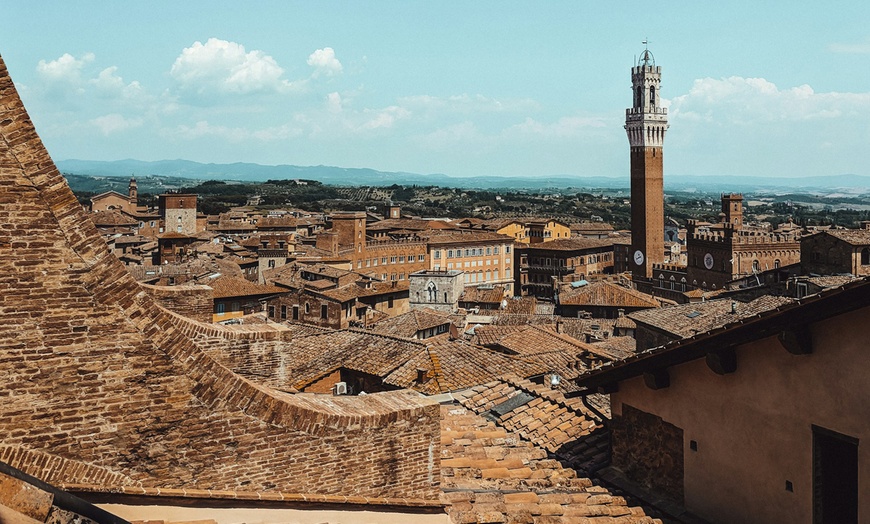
247, 172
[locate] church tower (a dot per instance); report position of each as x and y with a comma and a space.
645, 123
133, 192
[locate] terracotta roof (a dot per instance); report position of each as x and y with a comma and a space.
112, 218
490, 474
373, 288
855, 237
228, 287
483, 295
619, 347
464, 237
606, 294
590, 226
408, 324
686, 320
570, 244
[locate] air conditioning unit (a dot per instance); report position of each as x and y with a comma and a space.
340, 388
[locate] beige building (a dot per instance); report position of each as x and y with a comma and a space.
484, 257
757, 421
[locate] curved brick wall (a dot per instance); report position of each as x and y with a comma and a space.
93, 372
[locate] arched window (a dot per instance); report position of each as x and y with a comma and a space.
755, 266
433, 291
652, 95
776, 264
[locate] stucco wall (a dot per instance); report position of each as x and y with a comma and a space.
753, 427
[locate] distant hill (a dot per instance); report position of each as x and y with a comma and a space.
247, 172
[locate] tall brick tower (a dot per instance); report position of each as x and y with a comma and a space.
645, 123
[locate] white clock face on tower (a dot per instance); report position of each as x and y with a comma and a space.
708, 261
638, 257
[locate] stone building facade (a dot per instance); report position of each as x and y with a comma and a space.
436, 289
730, 250
178, 212
837, 251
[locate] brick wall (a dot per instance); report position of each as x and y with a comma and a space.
94, 372
649, 451
190, 301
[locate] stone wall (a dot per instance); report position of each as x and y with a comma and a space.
94, 372
649, 451
192, 301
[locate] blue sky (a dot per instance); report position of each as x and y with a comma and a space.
461, 88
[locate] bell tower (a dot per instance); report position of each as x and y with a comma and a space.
645, 123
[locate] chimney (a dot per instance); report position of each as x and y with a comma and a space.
620, 313
558, 325
421, 375
733, 307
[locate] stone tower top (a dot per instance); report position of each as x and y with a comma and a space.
646, 120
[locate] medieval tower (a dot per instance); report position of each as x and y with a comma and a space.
646, 122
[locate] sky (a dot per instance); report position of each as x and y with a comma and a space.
460, 88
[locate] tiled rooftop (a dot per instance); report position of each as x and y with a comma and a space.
856, 237
686, 320
408, 324
604, 293
228, 287
490, 474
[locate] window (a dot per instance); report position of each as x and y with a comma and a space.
436, 254
449, 253
375, 262
323, 311
865, 256
295, 312
384, 260
432, 291
507, 250
401, 276
221, 308
271, 264
393, 259
307, 308
495, 250
489, 251
422, 258
390, 302
284, 312
835, 477
652, 95
359, 264
271, 311
468, 252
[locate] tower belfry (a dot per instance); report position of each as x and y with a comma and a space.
645, 123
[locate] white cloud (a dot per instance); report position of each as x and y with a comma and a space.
565, 127
220, 66
109, 84
324, 62
204, 129
860, 48
466, 103
114, 123
67, 68
750, 101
